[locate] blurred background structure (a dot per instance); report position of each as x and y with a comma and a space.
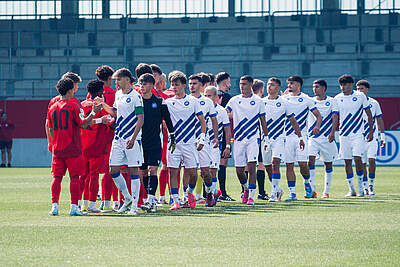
41, 39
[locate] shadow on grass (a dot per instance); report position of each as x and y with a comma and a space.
236, 208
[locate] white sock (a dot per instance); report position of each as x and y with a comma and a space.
360, 181
328, 180
116, 203
107, 203
121, 185
275, 185
214, 187
292, 190
135, 189
150, 199
85, 203
92, 204
74, 207
350, 182
54, 205
162, 198
79, 203
246, 185
175, 197
185, 195
312, 179
208, 188
198, 196
371, 181
252, 192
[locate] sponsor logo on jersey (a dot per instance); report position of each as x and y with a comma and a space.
154, 105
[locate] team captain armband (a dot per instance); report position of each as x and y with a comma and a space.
139, 110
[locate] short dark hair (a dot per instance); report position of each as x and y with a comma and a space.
95, 88
247, 78
275, 80
124, 72
345, 78
212, 78
222, 76
363, 83
196, 77
177, 76
64, 85
147, 78
143, 68
321, 83
204, 78
104, 72
73, 76
156, 68
257, 85
296, 78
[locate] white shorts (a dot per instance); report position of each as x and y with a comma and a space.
186, 154
351, 146
215, 157
371, 150
326, 151
121, 156
277, 151
205, 156
245, 151
292, 149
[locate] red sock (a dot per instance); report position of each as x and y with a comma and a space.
56, 189
114, 192
163, 181
86, 191
93, 186
142, 194
74, 189
82, 180
106, 186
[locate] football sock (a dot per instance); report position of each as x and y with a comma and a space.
114, 190
222, 179
328, 180
107, 203
365, 181
92, 204
146, 183
208, 187
135, 187
106, 186
153, 184
85, 203
214, 185
306, 179
360, 176
175, 194
276, 178
74, 188
191, 188
185, 194
245, 184
350, 181
261, 182
292, 186
252, 190
163, 181
312, 176
120, 183
93, 186
56, 189
247, 174
371, 178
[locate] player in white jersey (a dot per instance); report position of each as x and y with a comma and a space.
277, 111
371, 147
208, 110
352, 105
185, 111
300, 105
223, 127
247, 110
126, 147
323, 144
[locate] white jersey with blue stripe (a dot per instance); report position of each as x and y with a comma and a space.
125, 105
376, 113
351, 109
222, 120
246, 112
327, 107
184, 112
276, 112
300, 105
208, 109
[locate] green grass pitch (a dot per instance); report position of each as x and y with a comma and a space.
335, 232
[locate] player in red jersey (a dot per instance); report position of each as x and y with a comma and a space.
65, 120
94, 147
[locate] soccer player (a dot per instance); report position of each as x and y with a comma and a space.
185, 111
223, 84
323, 142
104, 73
300, 104
161, 85
94, 146
277, 110
223, 127
371, 147
64, 121
157, 72
352, 105
127, 144
196, 83
155, 110
247, 110
258, 89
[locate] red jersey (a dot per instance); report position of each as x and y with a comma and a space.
94, 137
6, 130
65, 119
58, 98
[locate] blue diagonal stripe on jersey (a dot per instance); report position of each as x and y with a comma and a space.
279, 133
239, 125
128, 128
189, 135
252, 134
198, 128
356, 123
178, 124
188, 132
342, 123
128, 134
278, 129
248, 130
351, 121
324, 125
121, 122
301, 120
323, 129
220, 129
182, 125
246, 126
275, 125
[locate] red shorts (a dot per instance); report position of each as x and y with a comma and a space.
164, 153
94, 164
60, 165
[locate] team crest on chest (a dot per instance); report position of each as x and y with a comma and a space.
327, 104
154, 105
354, 99
186, 103
252, 102
202, 102
301, 99
278, 104
128, 100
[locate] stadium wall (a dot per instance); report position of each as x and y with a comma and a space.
30, 144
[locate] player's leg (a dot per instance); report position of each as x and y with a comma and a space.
328, 178
348, 163
372, 169
95, 168
290, 158
346, 153
358, 145
311, 166
173, 164
277, 192
3, 154
239, 156
302, 159
261, 175
75, 166
163, 181
9, 154
152, 188
328, 153
58, 168
251, 168
215, 160
135, 188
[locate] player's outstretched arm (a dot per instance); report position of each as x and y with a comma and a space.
371, 125
88, 121
109, 110
335, 120
297, 130
319, 121
381, 128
